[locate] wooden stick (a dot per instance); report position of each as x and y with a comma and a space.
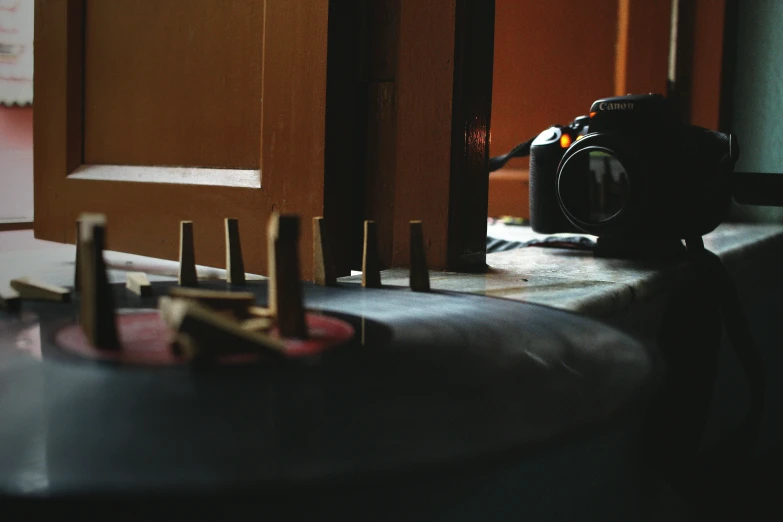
323, 262
235, 267
204, 334
238, 303
97, 307
39, 291
258, 324
138, 283
187, 255
371, 265
77, 263
419, 274
10, 300
261, 311
285, 291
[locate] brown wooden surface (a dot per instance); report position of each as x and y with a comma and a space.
15, 224
552, 60
293, 122
700, 61
642, 46
57, 118
145, 215
509, 193
425, 83
173, 83
381, 126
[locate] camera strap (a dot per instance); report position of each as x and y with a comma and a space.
521, 150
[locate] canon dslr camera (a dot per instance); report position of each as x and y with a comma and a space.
631, 169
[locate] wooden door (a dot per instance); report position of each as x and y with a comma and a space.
156, 111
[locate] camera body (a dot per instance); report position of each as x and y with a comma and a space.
631, 169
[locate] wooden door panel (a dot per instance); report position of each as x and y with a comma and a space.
188, 145
173, 83
161, 206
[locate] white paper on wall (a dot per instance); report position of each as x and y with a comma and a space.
16, 51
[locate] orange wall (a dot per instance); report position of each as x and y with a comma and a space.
552, 60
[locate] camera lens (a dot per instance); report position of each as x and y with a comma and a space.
593, 186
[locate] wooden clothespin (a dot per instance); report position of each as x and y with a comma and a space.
238, 303
285, 290
138, 283
323, 262
371, 264
34, 290
10, 300
235, 267
187, 255
203, 334
97, 300
419, 274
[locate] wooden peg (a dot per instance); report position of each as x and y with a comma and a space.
77, 263
187, 255
238, 303
285, 291
261, 311
323, 262
10, 300
97, 307
258, 324
235, 267
39, 291
203, 334
371, 264
419, 274
138, 283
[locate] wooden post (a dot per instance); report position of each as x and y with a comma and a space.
371, 266
285, 290
187, 256
323, 262
235, 266
97, 306
419, 274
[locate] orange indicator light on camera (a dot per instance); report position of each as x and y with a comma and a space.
593, 114
565, 141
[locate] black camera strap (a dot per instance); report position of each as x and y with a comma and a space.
521, 150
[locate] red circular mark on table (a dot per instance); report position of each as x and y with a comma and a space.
145, 340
